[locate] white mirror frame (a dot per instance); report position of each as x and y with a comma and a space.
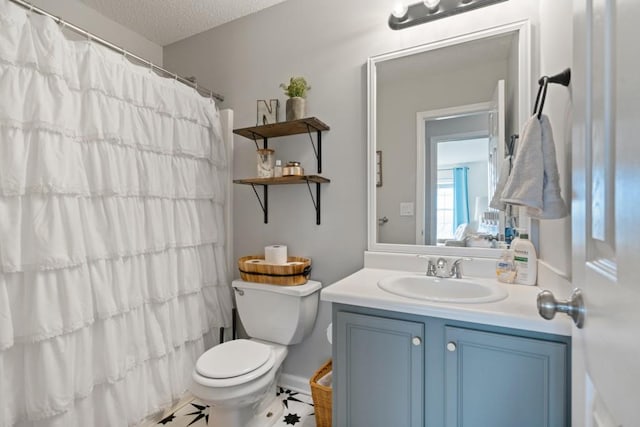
523, 28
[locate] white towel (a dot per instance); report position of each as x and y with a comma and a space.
524, 185
505, 171
534, 181
553, 206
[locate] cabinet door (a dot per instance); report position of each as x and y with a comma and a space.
378, 372
504, 381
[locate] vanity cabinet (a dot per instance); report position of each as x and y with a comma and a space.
375, 395
494, 379
401, 369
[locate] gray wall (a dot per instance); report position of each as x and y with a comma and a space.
556, 47
89, 19
328, 42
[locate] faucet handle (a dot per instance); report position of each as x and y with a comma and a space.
431, 267
456, 267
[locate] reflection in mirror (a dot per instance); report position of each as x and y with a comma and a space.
440, 115
460, 189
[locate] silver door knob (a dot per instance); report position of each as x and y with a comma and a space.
416, 341
548, 306
451, 346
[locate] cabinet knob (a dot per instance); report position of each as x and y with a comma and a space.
451, 346
416, 341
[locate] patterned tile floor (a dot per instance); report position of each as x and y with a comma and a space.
298, 411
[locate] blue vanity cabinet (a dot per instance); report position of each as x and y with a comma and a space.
379, 371
500, 380
397, 369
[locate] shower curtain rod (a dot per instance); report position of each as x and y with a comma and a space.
103, 42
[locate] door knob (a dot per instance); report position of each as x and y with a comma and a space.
416, 341
548, 306
451, 346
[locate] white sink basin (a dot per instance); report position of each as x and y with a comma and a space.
443, 290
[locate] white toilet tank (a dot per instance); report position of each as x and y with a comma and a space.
279, 314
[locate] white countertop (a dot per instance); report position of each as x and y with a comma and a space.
517, 311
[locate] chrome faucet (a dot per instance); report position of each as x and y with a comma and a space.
443, 270
440, 268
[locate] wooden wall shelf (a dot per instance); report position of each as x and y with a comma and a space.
301, 179
294, 127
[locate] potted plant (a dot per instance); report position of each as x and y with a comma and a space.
296, 90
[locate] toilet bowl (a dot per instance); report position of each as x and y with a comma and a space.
238, 378
238, 381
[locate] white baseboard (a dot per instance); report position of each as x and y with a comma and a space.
295, 383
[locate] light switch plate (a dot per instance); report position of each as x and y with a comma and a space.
406, 209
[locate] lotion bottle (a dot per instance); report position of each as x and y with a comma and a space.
526, 260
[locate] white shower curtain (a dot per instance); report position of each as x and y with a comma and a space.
112, 242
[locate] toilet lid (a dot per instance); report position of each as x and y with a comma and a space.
232, 359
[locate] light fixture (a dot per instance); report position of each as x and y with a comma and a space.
430, 10
432, 5
399, 11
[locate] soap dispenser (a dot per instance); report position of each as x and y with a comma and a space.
525, 259
505, 267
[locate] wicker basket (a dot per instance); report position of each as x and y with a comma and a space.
254, 269
321, 396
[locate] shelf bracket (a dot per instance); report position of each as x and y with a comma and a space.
316, 151
264, 202
316, 200
255, 140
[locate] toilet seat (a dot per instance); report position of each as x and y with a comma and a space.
234, 362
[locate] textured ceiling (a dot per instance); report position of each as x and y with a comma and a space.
167, 21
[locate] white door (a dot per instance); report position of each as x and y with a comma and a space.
606, 212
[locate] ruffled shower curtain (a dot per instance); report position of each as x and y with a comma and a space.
112, 242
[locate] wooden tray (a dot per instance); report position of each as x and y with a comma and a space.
254, 269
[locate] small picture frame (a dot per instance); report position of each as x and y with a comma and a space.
378, 168
267, 111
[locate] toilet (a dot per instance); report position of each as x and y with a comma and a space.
238, 378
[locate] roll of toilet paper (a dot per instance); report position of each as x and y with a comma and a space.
275, 254
330, 333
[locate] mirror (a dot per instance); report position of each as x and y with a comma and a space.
440, 116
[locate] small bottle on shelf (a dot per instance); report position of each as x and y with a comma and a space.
277, 170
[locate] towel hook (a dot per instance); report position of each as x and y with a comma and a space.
541, 97
563, 78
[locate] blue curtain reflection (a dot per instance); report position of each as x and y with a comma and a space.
460, 197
